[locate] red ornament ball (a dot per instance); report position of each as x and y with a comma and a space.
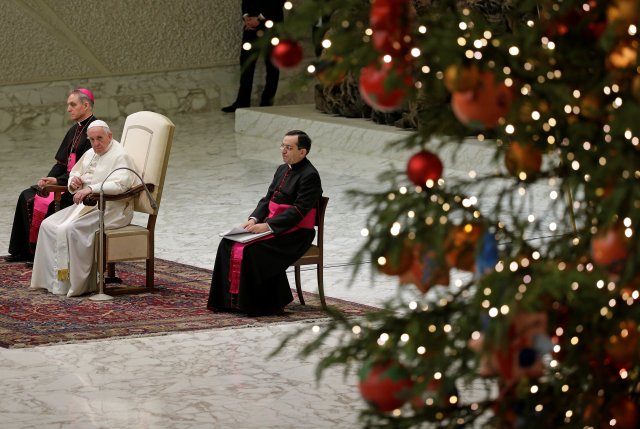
483, 106
385, 385
424, 166
389, 20
287, 54
384, 87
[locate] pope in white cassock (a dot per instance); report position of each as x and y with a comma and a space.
65, 259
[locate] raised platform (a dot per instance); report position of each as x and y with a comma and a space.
338, 138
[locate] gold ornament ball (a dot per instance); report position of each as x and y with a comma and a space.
623, 12
461, 78
590, 106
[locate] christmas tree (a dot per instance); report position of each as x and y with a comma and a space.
542, 330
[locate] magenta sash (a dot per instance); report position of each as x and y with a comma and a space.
41, 206
307, 222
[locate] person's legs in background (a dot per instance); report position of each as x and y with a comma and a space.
248, 61
271, 81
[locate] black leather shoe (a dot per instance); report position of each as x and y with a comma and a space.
230, 109
15, 258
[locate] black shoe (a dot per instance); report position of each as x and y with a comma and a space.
15, 258
29, 264
233, 107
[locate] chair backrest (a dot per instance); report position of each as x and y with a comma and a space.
147, 138
322, 208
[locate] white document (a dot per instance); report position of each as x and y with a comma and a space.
240, 235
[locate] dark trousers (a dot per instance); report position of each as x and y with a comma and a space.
248, 60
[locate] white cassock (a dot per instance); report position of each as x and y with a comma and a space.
65, 259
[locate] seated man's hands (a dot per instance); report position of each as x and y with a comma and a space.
252, 226
75, 182
258, 227
47, 181
81, 195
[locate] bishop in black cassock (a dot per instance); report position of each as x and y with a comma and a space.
288, 210
74, 144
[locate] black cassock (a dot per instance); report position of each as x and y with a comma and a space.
264, 287
75, 141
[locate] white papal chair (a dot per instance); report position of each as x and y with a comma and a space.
147, 138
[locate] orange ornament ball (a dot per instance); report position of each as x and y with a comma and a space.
635, 87
609, 248
460, 246
625, 411
522, 161
622, 346
397, 262
624, 56
590, 106
483, 106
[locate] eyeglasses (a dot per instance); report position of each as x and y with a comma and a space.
287, 147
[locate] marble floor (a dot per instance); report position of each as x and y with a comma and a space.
220, 166
205, 379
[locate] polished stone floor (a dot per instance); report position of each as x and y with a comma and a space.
205, 379
220, 166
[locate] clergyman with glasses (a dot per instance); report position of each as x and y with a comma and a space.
251, 277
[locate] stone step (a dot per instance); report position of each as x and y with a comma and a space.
349, 138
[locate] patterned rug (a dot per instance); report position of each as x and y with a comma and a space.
34, 318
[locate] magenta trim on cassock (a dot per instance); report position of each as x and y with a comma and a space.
235, 268
41, 206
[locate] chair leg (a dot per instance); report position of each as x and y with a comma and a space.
111, 277
296, 272
321, 287
111, 269
150, 272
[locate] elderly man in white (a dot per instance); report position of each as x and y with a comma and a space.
64, 262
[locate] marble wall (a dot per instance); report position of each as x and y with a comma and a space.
169, 56
44, 40
42, 104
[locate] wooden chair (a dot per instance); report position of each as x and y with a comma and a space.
314, 256
147, 138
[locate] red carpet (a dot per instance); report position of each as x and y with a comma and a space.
33, 318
